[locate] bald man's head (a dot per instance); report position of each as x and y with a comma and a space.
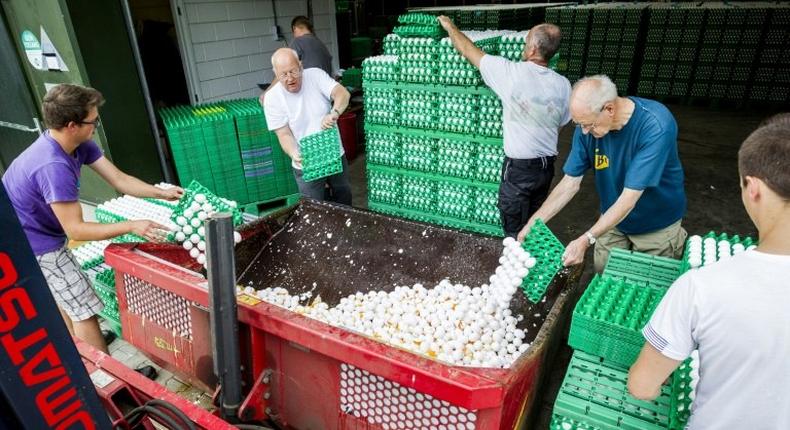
288, 69
545, 38
592, 104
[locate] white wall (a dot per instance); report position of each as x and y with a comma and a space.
229, 42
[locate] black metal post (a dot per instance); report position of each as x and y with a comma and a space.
224, 313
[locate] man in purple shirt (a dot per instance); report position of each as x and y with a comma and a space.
43, 185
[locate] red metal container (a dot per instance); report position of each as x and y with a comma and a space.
305, 374
347, 123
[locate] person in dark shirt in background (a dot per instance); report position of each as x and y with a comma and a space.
312, 52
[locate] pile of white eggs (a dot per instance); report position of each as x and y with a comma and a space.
452, 323
708, 251
191, 233
133, 208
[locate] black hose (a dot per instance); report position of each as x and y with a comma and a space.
190, 425
251, 427
166, 419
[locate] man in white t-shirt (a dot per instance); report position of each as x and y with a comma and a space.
735, 312
301, 103
535, 106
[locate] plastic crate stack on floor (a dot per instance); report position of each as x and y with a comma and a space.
772, 74
433, 133
267, 168
614, 32
574, 24
671, 43
606, 336
227, 147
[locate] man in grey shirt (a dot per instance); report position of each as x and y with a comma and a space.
312, 52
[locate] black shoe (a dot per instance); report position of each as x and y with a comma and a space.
109, 336
147, 371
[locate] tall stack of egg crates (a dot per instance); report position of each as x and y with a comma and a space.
670, 52
227, 147
614, 32
433, 130
90, 255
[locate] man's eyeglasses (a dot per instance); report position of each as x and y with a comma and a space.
94, 123
293, 74
590, 127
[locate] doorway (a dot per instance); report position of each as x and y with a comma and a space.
159, 52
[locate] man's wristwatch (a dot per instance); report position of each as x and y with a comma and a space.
590, 238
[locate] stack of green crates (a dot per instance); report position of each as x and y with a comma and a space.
574, 24
608, 319
614, 31
219, 136
103, 281
185, 135
594, 395
352, 77
772, 70
227, 147
512, 46
267, 168
670, 51
606, 335
417, 24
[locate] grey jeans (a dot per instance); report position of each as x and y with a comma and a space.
339, 185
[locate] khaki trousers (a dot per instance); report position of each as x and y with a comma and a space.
667, 242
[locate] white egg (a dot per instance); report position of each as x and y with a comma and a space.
194, 238
208, 207
200, 198
188, 245
195, 222
236, 237
201, 258
188, 213
181, 220
194, 252
202, 215
180, 236
201, 245
195, 206
187, 229
201, 231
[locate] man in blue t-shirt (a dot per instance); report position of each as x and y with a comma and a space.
631, 143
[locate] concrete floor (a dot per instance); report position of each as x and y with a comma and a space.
708, 144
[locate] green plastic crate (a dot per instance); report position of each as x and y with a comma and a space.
544, 246
321, 154
608, 318
642, 268
595, 394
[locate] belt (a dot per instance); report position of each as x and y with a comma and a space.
540, 161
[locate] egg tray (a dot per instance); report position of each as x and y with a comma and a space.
746, 241
595, 394
220, 204
542, 244
321, 154
643, 268
680, 409
608, 318
559, 422
103, 282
